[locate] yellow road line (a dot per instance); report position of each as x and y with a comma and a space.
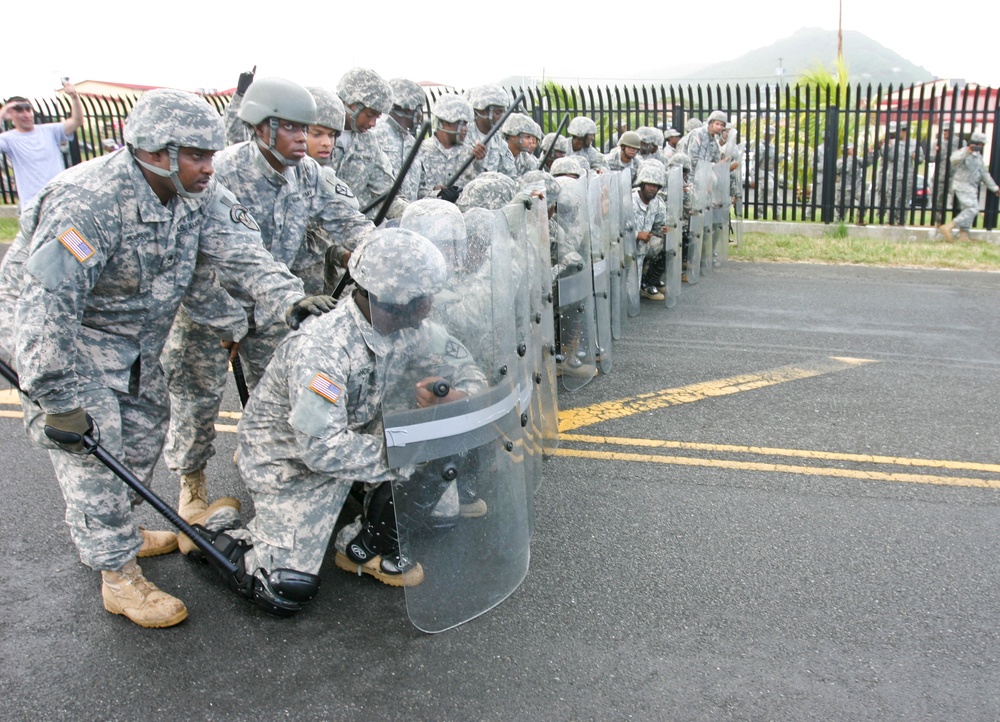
782, 468
770, 451
595, 413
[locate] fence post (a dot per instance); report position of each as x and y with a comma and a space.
831, 137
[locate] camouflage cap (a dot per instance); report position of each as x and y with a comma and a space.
364, 86
582, 126
671, 133
487, 190
330, 111
277, 98
681, 159
452, 108
650, 135
651, 171
566, 166
407, 94
518, 123
533, 177
691, 124
396, 265
978, 137
165, 117
483, 96
631, 139
718, 115
561, 141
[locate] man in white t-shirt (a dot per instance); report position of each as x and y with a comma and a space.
35, 150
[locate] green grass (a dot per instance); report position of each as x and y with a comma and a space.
8, 228
833, 248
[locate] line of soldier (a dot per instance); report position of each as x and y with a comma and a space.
138, 278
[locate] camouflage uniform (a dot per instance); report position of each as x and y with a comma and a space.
943, 150
903, 157
703, 146
302, 444
396, 143
90, 288
196, 366
615, 162
967, 171
363, 166
436, 164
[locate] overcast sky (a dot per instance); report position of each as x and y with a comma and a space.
192, 45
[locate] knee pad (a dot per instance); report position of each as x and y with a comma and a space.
294, 585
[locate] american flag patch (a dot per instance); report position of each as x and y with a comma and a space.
77, 245
326, 388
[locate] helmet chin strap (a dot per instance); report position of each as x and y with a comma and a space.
274, 151
172, 174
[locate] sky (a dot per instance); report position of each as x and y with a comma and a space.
204, 45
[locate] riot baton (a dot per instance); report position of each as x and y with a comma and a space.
241, 381
388, 197
485, 141
130, 479
552, 148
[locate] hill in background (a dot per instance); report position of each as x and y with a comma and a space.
867, 62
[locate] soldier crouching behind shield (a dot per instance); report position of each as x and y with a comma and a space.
313, 427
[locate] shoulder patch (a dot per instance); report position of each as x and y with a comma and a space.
76, 244
239, 213
329, 390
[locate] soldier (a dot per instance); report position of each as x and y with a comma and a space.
89, 289
691, 125
441, 157
623, 157
360, 161
671, 138
487, 190
947, 143
650, 140
650, 223
682, 160
703, 144
522, 135
395, 131
582, 132
903, 157
766, 179
850, 185
314, 427
489, 103
561, 149
967, 171
286, 190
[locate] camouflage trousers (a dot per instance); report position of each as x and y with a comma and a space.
197, 369
98, 504
294, 521
968, 200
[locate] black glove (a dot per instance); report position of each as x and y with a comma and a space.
244, 82
308, 306
67, 429
450, 194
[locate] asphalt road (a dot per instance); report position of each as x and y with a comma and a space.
797, 520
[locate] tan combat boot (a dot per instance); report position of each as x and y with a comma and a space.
221, 514
946, 230
155, 543
129, 593
964, 236
193, 499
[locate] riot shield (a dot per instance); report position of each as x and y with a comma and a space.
452, 427
632, 271
598, 203
576, 362
696, 232
720, 226
704, 198
611, 225
672, 242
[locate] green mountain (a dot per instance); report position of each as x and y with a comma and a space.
807, 49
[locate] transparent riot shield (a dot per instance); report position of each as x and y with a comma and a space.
598, 204
672, 241
737, 210
632, 270
720, 210
696, 232
611, 226
576, 362
452, 427
704, 193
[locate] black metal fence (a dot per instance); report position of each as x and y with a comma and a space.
860, 154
